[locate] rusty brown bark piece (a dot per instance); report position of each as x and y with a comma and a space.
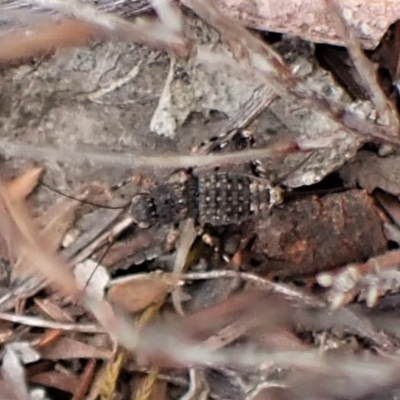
318, 234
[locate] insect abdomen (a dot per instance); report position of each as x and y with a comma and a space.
226, 198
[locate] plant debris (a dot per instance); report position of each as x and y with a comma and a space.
195, 210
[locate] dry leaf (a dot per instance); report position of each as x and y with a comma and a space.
309, 20
67, 382
53, 233
58, 219
53, 311
58, 227
66, 349
20, 187
23, 236
137, 292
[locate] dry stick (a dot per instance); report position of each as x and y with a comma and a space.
19, 44
154, 340
90, 243
229, 333
130, 8
140, 162
85, 381
360, 61
42, 323
287, 291
176, 348
198, 387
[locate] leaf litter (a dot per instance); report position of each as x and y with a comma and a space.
242, 312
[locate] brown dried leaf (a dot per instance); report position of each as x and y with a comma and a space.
20, 187
137, 292
369, 19
67, 382
19, 229
53, 311
59, 218
66, 349
55, 231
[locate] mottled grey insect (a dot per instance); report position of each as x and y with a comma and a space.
216, 198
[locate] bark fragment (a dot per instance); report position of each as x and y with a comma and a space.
318, 234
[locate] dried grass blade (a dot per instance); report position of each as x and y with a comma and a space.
141, 31
165, 161
362, 64
47, 36
19, 229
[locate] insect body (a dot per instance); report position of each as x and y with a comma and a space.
218, 198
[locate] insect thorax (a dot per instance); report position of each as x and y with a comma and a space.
167, 203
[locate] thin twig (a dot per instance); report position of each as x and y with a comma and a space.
43, 323
86, 380
362, 64
280, 288
137, 161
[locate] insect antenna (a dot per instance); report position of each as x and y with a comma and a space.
108, 248
59, 192
108, 245
284, 176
